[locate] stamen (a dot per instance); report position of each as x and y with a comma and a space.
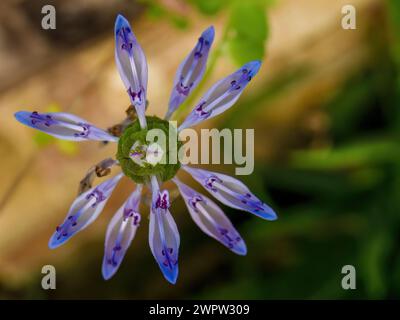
136, 97
194, 200
97, 195
210, 181
227, 238
37, 118
126, 43
183, 89
201, 112
199, 48
215, 184
168, 261
163, 200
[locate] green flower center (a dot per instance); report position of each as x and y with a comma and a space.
144, 152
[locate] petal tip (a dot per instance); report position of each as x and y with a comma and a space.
270, 214
254, 66
241, 248
107, 272
266, 214
54, 243
120, 21
21, 116
170, 275
209, 34
172, 278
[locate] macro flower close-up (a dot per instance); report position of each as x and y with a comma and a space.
141, 162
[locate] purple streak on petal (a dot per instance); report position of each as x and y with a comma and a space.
191, 71
222, 95
211, 219
63, 126
132, 66
120, 233
231, 192
84, 210
163, 234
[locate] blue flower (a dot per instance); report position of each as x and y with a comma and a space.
164, 237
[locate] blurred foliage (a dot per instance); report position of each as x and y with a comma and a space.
156, 11
209, 7
339, 204
248, 31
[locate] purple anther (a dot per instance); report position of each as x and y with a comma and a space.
209, 183
168, 261
85, 130
44, 119
136, 97
231, 242
201, 112
127, 44
163, 200
136, 219
98, 195
182, 89
194, 200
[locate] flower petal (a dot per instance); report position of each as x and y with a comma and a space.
191, 71
231, 192
84, 210
163, 234
222, 95
211, 219
120, 233
132, 65
64, 126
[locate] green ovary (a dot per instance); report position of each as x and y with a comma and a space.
135, 135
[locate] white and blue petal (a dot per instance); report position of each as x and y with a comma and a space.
222, 95
132, 66
84, 210
191, 71
120, 233
64, 126
163, 234
211, 219
231, 192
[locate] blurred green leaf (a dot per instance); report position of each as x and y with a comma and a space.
42, 139
248, 31
358, 154
373, 260
350, 106
210, 7
394, 47
179, 21
67, 147
156, 11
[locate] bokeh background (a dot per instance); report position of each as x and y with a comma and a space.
325, 109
